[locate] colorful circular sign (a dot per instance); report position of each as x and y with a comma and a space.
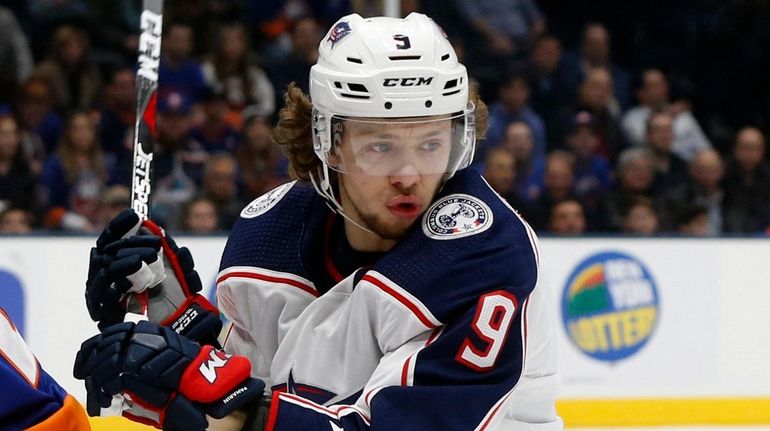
610, 306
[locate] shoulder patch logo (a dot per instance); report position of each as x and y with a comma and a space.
456, 216
263, 203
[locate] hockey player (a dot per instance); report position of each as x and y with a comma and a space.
388, 288
29, 398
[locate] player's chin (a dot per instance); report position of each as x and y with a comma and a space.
393, 228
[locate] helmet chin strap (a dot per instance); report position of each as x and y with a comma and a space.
326, 192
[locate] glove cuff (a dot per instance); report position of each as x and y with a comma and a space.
217, 377
171, 255
247, 393
196, 319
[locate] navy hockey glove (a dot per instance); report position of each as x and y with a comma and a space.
162, 378
133, 257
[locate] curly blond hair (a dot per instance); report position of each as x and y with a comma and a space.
293, 135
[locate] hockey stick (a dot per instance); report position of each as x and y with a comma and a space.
145, 131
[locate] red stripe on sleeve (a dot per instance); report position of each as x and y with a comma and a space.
400, 298
309, 289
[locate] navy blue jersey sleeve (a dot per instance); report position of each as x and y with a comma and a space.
468, 242
457, 378
29, 397
270, 229
24, 403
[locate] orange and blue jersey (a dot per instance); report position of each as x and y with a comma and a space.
30, 399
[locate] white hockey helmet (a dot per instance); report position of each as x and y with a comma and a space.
380, 72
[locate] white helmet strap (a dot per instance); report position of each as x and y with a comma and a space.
326, 191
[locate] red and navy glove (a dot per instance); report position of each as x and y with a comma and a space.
135, 267
162, 378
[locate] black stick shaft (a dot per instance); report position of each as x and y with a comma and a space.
145, 130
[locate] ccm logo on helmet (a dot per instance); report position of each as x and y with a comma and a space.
407, 82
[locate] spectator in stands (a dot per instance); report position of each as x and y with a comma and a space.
229, 69
707, 171
179, 72
641, 217
670, 169
40, 125
305, 34
114, 199
513, 105
552, 88
567, 218
652, 93
592, 170
502, 30
15, 221
635, 179
216, 133
73, 79
175, 140
500, 171
558, 183
178, 161
116, 123
75, 176
747, 184
18, 183
220, 186
704, 190
594, 51
200, 217
50, 12
529, 167
261, 165
201, 14
693, 220
16, 61
114, 27
595, 97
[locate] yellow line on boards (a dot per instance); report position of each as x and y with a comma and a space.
664, 411
117, 424
607, 412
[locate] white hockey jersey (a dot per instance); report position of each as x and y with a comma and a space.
449, 330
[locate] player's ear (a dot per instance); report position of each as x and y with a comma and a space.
334, 160
338, 140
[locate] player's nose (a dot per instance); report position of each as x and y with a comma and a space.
406, 176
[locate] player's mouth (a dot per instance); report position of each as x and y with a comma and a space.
406, 207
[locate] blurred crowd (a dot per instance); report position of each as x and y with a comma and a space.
639, 117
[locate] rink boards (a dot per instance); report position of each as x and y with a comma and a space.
651, 331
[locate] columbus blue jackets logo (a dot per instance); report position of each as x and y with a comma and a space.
339, 31
456, 216
263, 203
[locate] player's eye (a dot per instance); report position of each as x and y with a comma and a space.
430, 146
379, 147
